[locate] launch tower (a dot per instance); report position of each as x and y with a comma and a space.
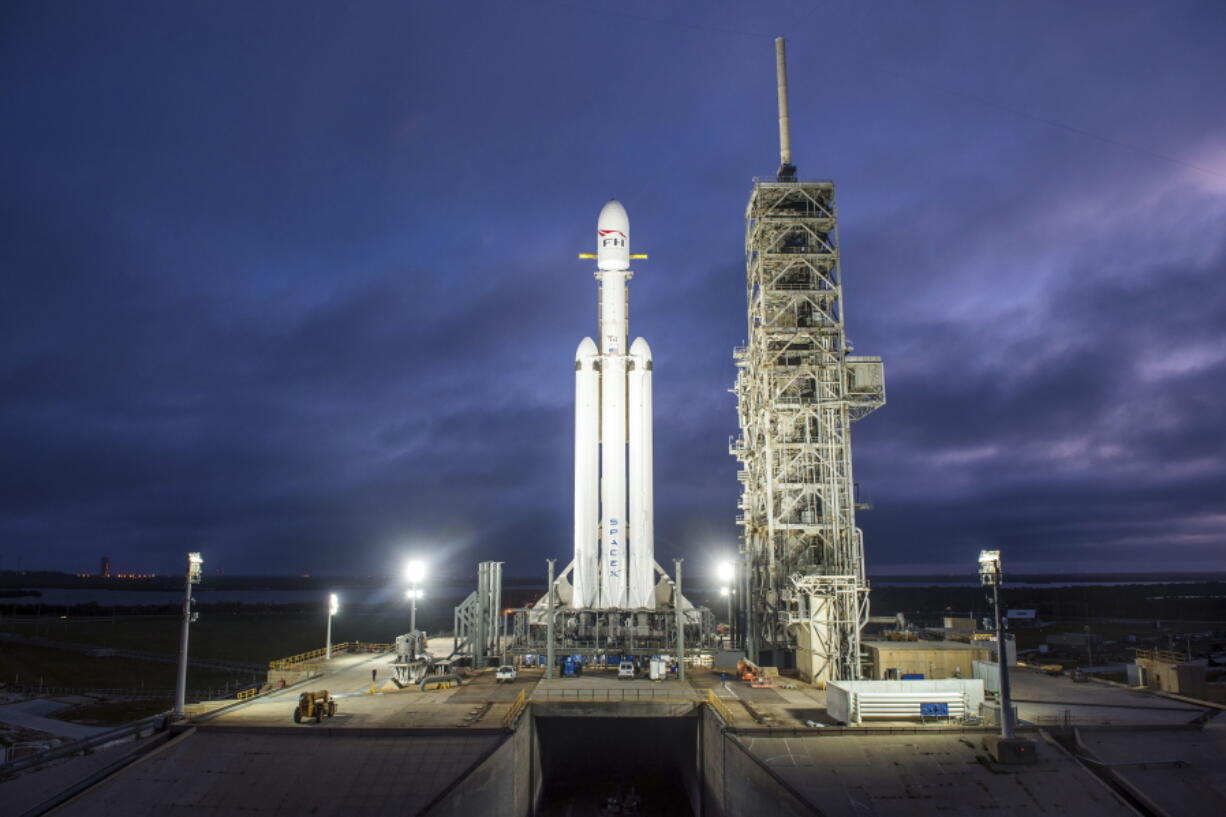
798, 390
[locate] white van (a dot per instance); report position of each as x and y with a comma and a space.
625, 669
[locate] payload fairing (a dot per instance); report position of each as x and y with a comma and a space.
614, 565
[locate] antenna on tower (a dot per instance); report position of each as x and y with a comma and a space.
787, 170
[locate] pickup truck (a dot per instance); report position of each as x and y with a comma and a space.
506, 673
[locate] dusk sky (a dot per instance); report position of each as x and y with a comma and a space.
295, 284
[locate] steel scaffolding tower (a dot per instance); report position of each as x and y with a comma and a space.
798, 391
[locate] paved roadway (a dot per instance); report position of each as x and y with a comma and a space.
1045, 700
381, 704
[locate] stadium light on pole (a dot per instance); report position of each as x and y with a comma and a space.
414, 573
195, 569
1007, 748
726, 571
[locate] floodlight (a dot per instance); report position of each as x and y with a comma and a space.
724, 591
334, 604
989, 567
726, 571
414, 593
195, 565
415, 571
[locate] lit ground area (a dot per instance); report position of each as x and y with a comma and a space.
380, 704
776, 706
927, 774
1040, 699
1046, 700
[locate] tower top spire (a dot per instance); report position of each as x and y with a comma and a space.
787, 171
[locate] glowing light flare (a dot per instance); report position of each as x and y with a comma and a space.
725, 570
415, 571
334, 604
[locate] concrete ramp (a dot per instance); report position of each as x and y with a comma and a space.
1172, 771
291, 772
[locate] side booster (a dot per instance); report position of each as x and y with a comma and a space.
614, 547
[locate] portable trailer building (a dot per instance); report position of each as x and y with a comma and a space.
856, 701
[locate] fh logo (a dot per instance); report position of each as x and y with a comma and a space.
612, 238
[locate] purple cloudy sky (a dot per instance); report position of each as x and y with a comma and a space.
295, 284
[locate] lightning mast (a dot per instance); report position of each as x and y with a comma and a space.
798, 390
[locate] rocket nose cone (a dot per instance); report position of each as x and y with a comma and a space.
587, 348
613, 217
613, 237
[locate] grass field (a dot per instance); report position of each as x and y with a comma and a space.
49, 667
249, 636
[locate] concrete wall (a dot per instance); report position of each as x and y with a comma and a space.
505, 784
725, 779
280, 678
735, 783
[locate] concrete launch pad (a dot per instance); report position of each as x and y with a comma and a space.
706, 745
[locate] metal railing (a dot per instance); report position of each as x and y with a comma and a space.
131, 731
720, 707
1163, 656
520, 702
134, 693
650, 695
348, 646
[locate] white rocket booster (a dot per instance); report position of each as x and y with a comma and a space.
614, 548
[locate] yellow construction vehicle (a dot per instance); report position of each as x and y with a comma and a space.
317, 705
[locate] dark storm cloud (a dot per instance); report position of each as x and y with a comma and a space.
296, 285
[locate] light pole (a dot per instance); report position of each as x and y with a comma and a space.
549, 626
680, 622
413, 594
1007, 748
195, 566
334, 606
414, 572
727, 592
727, 574
990, 576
